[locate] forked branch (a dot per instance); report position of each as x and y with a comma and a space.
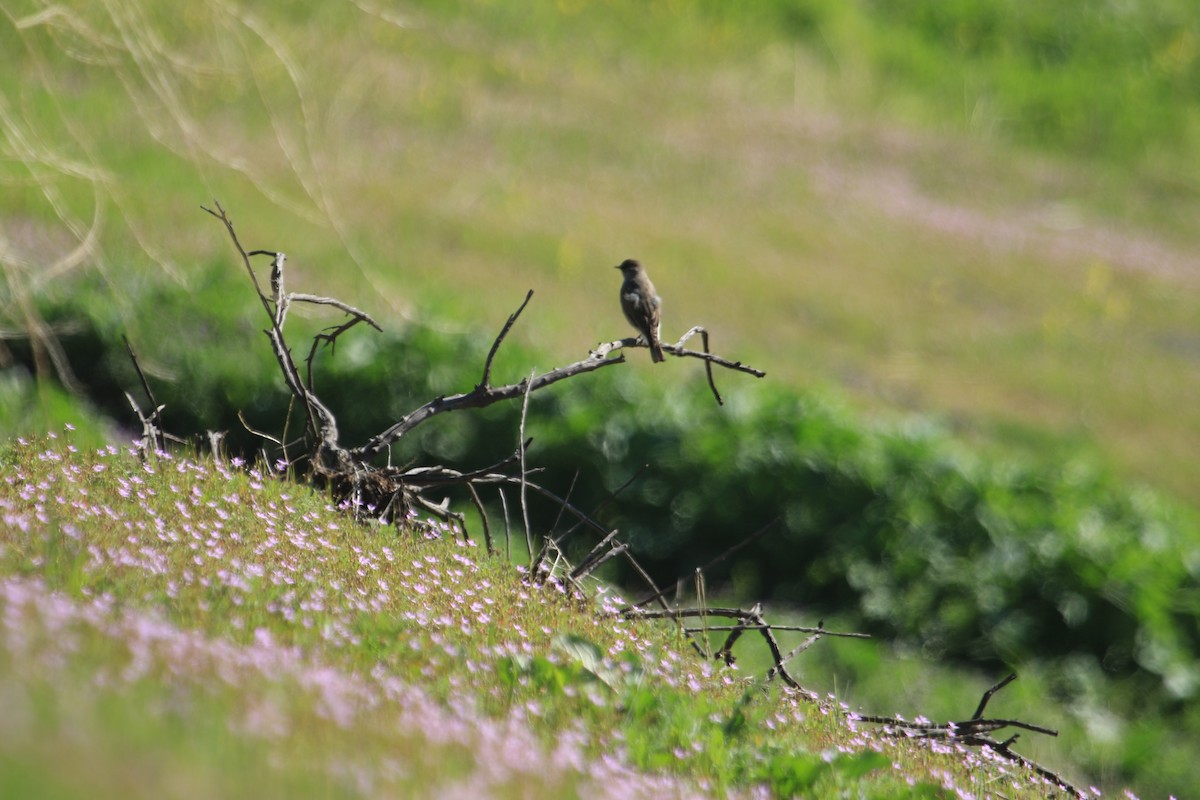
974, 732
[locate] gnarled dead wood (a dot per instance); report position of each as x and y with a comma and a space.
349, 470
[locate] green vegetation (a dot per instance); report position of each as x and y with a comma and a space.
436, 169
998, 560
981, 212
1049, 565
217, 631
1113, 81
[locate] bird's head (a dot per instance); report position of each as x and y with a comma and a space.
630, 266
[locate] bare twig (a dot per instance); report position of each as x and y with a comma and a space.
478, 397
322, 423
750, 619
780, 665
604, 503
801, 628
358, 315
507, 529
150, 433
583, 570
561, 509
255, 431
512, 318
522, 442
973, 732
329, 337
156, 415
444, 476
594, 553
487, 528
983, 701
482, 396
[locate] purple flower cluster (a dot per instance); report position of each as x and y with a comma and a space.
293, 582
219, 578
42, 631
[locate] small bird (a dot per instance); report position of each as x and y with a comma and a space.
641, 305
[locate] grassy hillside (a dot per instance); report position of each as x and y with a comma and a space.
185, 628
983, 212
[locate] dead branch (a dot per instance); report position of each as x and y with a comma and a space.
749, 619
521, 452
583, 570
586, 565
151, 425
487, 528
348, 470
321, 421
479, 397
507, 529
801, 628
512, 318
974, 733
485, 395
987, 696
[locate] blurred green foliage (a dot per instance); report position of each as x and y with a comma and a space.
973, 559
1116, 80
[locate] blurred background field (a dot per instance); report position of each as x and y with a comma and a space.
971, 223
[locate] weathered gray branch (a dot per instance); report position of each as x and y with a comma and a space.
479, 397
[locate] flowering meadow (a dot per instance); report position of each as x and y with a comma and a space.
186, 627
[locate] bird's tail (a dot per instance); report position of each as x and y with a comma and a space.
656, 353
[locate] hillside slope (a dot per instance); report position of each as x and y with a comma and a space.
182, 628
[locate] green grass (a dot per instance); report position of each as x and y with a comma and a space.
983, 216
182, 628
793, 179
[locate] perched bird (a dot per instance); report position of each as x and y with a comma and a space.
641, 305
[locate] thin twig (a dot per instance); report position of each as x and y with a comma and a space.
482, 396
702, 601
255, 431
973, 732
507, 530
780, 667
487, 364
983, 701
595, 551
561, 509
584, 570
156, 415
358, 315
487, 529
444, 476
320, 420
603, 504
521, 439
800, 628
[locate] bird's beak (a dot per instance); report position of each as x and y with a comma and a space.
618, 266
